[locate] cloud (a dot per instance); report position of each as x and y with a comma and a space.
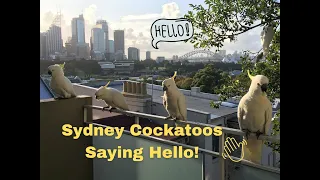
137, 31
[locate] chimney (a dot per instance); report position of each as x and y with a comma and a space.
136, 96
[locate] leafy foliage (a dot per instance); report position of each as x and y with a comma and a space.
208, 79
222, 20
184, 83
86, 67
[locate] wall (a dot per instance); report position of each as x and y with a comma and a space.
89, 91
148, 169
251, 173
200, 141
63, 157
195, 92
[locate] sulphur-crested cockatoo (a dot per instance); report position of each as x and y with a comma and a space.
112, 97
60, 84
266, 36
174, 101
255, 115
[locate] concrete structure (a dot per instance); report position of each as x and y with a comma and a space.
43, 45
124, 66
83, 51
111, 46
78, 29
54, 40
119, 41
136, 96
68, 152
107, 67
104, 26
78, 43
133, 54
97, 55
148, 55
98, 38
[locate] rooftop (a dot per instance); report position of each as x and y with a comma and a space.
196, 103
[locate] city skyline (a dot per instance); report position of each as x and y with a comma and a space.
135, 21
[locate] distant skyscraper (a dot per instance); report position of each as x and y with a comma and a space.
78, 30
79, 45
119, 41
133, 53
43, 45
148, 55
98, 38
111, 46
54, 40
104, 25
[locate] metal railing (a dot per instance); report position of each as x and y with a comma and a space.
138, 115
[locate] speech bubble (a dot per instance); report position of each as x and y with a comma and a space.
170, 30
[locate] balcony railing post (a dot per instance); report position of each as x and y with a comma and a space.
221, 160
136, 119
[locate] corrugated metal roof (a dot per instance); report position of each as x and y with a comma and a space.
45, 92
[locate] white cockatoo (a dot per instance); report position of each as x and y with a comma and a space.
174, 101
112, 97
255, 115
60, 84
266, 36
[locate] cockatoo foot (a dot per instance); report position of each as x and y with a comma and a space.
258, 133
107, 108
111, 108
247, 133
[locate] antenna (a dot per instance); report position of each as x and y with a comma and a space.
57, 18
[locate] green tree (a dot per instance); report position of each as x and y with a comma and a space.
184, 83
208, 79
138, 65
222, 20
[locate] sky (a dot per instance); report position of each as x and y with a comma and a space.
136, 18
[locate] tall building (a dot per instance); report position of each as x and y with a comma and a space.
78, 31
54, 40
175, 57
119, 41
43, 45
78, 42
111, 46
104, 26
98, 38
133, 53
148, 55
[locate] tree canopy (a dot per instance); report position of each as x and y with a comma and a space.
87, 67
220, 21
208, 79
